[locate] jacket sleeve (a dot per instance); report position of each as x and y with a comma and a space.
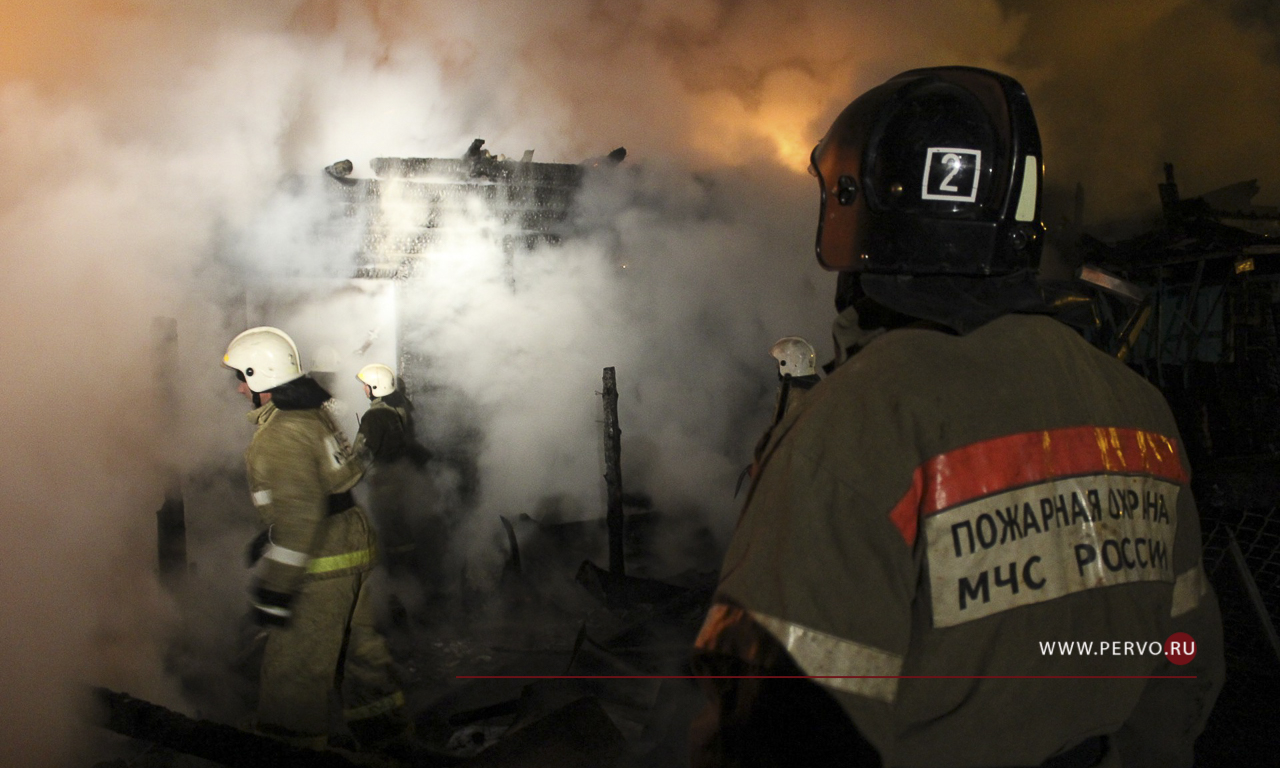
290, 492
760, 711
822, 565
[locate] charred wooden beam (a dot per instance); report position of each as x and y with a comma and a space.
501, 709
1129, 335
1169, 197
171, 541
513, 543
1255, 596
579, 734
219, 743
171, 522
620, 590
613, 474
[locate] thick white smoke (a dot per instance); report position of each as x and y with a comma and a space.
146, 144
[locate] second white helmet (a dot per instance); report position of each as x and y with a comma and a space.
795, 356
265, 356
380, 378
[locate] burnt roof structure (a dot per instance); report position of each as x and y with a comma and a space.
414, 203
1209, 236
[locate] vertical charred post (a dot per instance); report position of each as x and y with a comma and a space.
613, 474
171, 523
1169, 198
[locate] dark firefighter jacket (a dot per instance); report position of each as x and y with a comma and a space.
386, 433
962, 506
300, 469
384, 429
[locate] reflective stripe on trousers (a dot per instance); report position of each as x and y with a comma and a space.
320, 564
339, 562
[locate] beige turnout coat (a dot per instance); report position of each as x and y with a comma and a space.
296, 461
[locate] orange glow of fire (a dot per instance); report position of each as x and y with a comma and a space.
43, 41
782, 124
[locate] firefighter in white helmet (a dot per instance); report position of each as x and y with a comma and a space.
795, 357
972, 483
386, 441
317, 549
384, 428
380, 379
797, 374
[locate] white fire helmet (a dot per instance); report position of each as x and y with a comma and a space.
265, 356
795, 356
380, 378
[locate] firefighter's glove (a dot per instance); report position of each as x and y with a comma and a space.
257, 548
271, 608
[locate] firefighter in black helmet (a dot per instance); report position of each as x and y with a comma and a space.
971, 485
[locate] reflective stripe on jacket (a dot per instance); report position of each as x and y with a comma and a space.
296, 461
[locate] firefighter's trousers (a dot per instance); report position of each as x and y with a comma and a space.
331, 643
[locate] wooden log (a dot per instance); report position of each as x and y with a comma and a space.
171, 522
578, 735
613, 474
1255, 596
217, 742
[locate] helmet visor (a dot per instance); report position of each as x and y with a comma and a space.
837, 174
837, 163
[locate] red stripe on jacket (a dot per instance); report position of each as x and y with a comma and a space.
1012, 461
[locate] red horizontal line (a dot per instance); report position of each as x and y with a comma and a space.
825, 677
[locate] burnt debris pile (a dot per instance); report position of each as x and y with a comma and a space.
1194, 305
583, 662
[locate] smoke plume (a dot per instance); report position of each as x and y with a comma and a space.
149, 148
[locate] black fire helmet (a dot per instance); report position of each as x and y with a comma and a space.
935, 172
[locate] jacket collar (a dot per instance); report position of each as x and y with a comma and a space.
259, 416
849, 337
